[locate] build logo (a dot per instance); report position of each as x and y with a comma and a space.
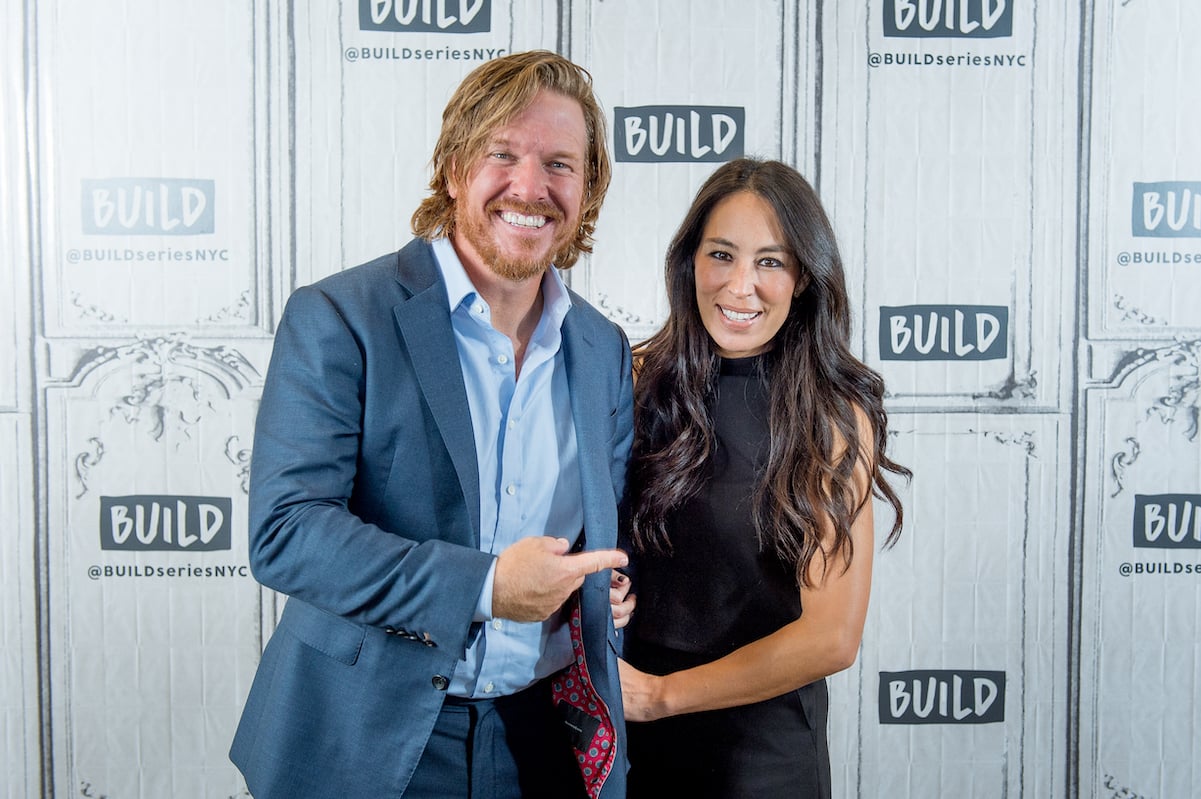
165, 523
426, 16
678, 133
948, 19
1168, 209
942, 697
1167, 521
944, 332
148, 206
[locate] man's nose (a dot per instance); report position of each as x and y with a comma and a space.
527, 180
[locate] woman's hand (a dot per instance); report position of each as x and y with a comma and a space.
620, 599
641, 693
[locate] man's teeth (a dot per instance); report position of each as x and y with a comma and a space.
522, 220
735, 316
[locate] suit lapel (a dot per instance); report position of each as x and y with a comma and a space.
587, 680
424, 323
587, 389
592, 392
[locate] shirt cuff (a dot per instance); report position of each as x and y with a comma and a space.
483, 606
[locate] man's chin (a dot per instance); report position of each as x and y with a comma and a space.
511, 258
519, 271
521, 264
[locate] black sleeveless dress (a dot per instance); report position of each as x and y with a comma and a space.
714, 593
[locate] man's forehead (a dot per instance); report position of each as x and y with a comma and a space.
519, 129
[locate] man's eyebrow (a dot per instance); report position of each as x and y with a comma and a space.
504, 142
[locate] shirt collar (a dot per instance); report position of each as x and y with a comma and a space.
556, 301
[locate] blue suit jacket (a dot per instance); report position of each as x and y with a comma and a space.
364, 510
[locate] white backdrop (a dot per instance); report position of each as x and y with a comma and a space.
1017, 189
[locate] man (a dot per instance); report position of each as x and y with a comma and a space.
439, 454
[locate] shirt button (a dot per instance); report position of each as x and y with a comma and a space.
502, 359
510, 489
497, 624
512, 424
478, 307
440, 682
489, 688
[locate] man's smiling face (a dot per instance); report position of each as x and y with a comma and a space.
519, 203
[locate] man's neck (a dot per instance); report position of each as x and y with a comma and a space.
516, 305
516, 310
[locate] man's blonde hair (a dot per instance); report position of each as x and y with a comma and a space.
488, 99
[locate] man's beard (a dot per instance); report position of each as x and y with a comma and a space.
512, 266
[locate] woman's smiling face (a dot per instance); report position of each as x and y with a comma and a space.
746, 278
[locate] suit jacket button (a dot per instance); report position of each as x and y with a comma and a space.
440, 682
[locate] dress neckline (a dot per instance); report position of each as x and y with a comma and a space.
739, 367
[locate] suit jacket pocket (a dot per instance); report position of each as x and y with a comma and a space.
329, 634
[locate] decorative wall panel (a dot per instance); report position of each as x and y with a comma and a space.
1140, 603
1144, 180
959, 688
156, 211
20, 725
153, 615
948, 160
724, 83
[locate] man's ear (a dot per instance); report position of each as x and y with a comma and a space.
452, 180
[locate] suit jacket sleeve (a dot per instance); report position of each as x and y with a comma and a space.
333, 520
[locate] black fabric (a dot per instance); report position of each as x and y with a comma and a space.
768, 750
716, 591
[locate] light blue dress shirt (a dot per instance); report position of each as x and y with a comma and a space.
528, 468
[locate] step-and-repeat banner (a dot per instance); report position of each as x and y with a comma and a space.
1016, 185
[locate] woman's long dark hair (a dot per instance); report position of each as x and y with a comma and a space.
816, 387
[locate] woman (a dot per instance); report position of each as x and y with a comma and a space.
759, 442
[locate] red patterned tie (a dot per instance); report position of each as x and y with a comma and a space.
595, 743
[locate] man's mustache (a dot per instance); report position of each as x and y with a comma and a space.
546, 209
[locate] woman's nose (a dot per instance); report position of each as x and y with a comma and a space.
742, 279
